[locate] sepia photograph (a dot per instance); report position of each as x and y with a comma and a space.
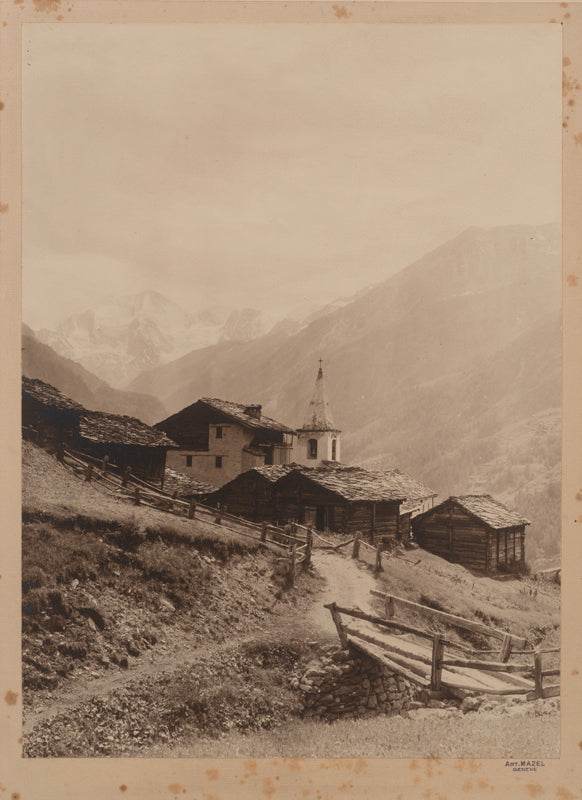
291, 390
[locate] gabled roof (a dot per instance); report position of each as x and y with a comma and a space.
490, 511
414, 490
48, 395
99, 426
237, 412
318, 417
274, 472
353, 483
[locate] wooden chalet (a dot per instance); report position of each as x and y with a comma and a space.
219, 439
48, 417
252, 493
475, 530
53, 421
126, 441
343, 500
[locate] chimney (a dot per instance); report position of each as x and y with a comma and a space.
253, 411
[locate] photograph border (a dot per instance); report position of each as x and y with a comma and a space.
207, 779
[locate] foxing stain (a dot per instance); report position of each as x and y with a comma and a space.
46, 5
212, 774
341, 12
572, 280
3, 208
10, 698
123, 788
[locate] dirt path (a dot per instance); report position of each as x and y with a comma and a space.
348, 583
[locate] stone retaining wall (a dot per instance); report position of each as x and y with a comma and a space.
349, 684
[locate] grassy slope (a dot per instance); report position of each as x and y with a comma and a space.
187, 606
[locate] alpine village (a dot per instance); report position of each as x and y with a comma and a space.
222, 583
333, 540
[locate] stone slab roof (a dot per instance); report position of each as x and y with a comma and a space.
490, 511
98, 426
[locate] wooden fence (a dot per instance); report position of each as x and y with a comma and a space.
126, 486
424, 666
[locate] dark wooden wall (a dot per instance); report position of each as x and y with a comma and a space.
250, 496
450, 532
47, 426
147, 463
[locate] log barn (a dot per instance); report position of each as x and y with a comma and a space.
48, 417
252, 493
474, 530
341, 499
126, 441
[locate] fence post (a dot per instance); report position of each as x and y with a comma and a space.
389, 608
538, 680
218, 517
378, 565
126, 474
356, 547
136, 497
505, 651
335, 615
308, 548
437, 665
192, 509
292, 567
104, 464
89, 473
263, 531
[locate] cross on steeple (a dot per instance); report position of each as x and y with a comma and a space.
320, 373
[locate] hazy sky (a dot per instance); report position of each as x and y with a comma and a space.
274, 166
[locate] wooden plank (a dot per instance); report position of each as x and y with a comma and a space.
382, 659
486, 666
387, 645
453, 619
384, 623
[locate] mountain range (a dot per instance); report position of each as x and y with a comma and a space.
41, 361
449, 369
123, 336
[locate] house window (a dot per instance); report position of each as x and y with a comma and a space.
312, 448
219, 431
333, 450
218, 462
188, 461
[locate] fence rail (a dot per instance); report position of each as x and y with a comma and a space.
131, 488
424, 666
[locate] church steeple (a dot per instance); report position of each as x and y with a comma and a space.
319, 416
318, 441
